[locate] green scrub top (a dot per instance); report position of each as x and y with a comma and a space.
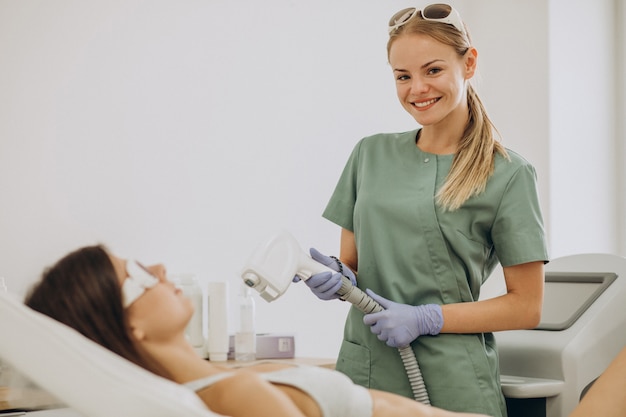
412, 251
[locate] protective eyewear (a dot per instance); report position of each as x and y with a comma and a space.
439, 12
137, 282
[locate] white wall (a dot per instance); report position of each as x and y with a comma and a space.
620, 111
585, 161
186, 132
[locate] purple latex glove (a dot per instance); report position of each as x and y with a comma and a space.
326, 284
400, 324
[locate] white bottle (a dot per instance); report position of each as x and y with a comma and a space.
245, 338
218, 321
195, 329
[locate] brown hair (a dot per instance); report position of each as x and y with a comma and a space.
82, 291
475, 156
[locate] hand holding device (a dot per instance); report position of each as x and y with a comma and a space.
326, 284
400, 324
279, 261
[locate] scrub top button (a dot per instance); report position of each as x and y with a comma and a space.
426, 160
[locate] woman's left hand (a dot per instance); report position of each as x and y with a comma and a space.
400, 324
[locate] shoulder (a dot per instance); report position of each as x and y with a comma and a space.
512, 172
514, 163
516, 158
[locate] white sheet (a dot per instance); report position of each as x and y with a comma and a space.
87, 377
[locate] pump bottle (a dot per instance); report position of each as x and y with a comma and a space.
245, 337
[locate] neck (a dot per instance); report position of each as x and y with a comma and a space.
180, 360
431, 142
443, 137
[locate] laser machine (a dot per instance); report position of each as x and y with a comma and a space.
546, 371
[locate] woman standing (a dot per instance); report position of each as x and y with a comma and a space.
426, 215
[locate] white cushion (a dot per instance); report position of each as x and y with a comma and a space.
87, 377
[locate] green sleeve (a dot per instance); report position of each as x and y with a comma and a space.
518, 232
340, 208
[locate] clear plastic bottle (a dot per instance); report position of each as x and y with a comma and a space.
245, 337
195, 329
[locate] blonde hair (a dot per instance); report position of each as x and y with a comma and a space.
474, 159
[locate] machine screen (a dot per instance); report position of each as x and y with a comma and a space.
568, 295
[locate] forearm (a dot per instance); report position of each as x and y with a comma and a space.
500, 313
347, 252
519, 308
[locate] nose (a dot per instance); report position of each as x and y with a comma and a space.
158, 270
418, 86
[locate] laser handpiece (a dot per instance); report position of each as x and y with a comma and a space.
271, 269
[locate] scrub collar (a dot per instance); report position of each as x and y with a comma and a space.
137, 282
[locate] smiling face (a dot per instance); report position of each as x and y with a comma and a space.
161, 311
431, 79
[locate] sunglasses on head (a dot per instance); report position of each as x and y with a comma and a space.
439, 12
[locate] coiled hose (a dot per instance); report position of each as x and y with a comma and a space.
367, 304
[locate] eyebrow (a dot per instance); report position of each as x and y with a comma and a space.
426, 65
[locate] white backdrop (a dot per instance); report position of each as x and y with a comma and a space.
187, 132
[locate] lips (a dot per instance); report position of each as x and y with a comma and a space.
425, 104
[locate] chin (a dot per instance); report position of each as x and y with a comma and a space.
424, 120
191, 310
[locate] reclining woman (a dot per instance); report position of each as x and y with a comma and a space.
138, 314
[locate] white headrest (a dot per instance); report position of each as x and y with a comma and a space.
87, 377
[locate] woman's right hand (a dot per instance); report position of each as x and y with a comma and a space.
326, 284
